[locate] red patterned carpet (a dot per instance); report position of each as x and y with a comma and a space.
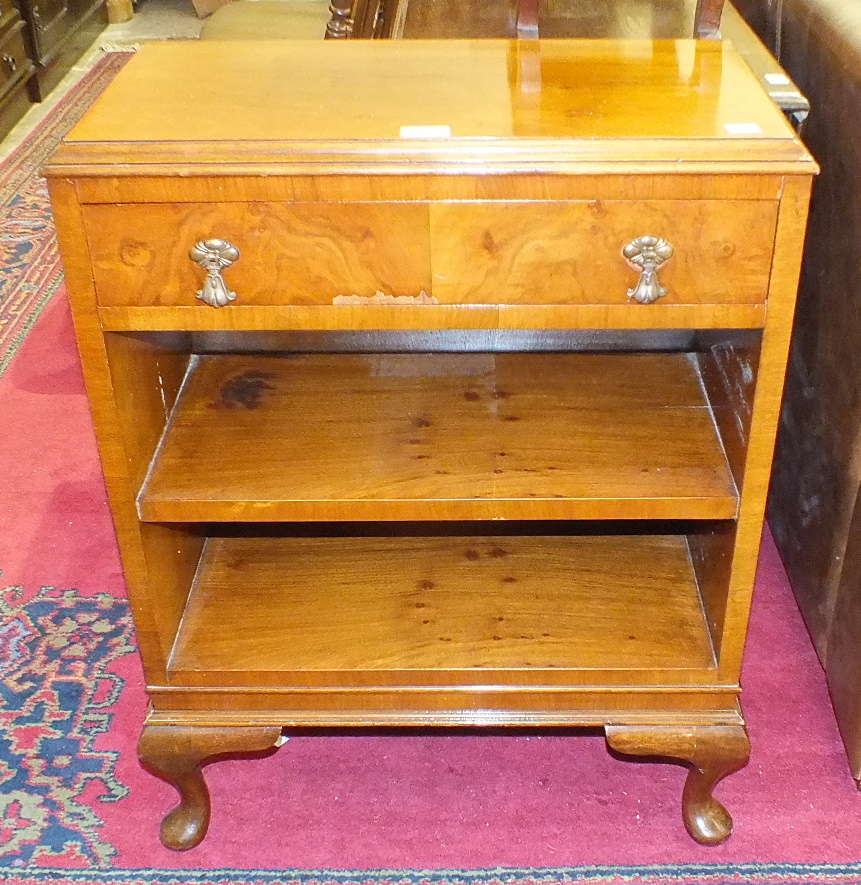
349, 809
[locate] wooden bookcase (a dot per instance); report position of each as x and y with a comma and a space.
444, 453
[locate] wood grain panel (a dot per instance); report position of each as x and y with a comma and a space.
770, 374
450, 706
729, 372
373, 317
441, 436
130, 385
542, 252
362, 611
422, 188
570, 252
294, 253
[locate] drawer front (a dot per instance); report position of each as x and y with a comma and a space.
13, 59
289, 253
541, 252
558, 253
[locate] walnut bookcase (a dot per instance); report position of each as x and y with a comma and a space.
427, 405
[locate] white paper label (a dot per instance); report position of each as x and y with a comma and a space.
743, 128
425, 131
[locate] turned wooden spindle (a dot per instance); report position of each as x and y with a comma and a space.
340, 25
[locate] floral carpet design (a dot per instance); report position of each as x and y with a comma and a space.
55, 698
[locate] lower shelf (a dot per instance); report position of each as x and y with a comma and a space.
439, 610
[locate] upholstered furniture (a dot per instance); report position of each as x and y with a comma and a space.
518, 18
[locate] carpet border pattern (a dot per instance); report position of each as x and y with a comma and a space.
705, 874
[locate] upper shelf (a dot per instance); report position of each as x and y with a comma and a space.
440, 437
432, 105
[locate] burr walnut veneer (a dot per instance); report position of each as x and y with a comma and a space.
439, 391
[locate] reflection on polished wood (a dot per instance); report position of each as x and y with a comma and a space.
688, 90
583, 19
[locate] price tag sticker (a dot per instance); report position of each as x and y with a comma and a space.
743, 128
425, 131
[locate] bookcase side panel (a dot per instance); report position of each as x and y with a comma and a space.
129, 417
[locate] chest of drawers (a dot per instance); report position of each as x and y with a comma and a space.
426, 405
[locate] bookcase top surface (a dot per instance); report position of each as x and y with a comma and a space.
458, 101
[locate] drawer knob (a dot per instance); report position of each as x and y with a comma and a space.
214, 256
647, 254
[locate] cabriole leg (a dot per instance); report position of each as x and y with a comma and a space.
177, 754
712, 751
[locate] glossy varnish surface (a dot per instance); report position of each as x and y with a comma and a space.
445, 436
464, 252
469, 91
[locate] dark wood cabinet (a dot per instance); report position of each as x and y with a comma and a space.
59, 32
40, 41
15, 67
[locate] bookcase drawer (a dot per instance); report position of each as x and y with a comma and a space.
446, 253
572, 252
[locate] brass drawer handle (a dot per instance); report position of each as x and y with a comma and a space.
647, 254
11, 62
214, 256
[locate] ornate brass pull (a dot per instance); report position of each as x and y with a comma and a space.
214, 256
647, 254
